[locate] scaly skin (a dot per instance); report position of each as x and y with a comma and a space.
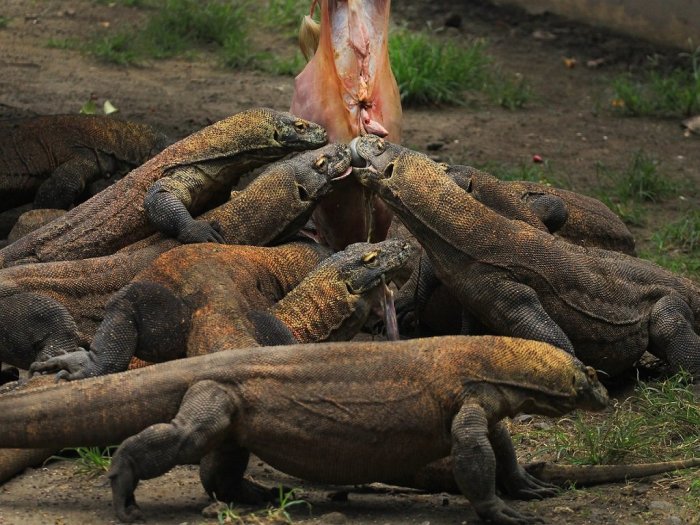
211, 160
51, 160
574, 217
331, 412
438, 477
519, 281
201, 299
269, 210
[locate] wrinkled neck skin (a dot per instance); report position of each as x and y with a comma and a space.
500, 401
348, 86
322, 309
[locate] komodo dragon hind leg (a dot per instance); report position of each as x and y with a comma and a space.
221, 473
510, 476
69, 180
201, 424
475, 468
672, 335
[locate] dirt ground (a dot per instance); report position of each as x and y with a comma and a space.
568, 123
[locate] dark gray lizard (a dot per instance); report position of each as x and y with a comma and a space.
343, 413
516, 280
186, 178
51, 160
203, 298
269, 210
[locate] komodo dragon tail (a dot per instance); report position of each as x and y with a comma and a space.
438, 476
585, 475
97, 411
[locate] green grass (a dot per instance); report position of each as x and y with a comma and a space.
274, 514
89, 461
676, 245
543, 173
4, 21
435, 71
178, 27
429, 71
639, 183
661, 421
285, 15
663, 94
63, 43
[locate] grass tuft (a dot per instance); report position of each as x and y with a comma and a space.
89, 461
4, 21
661, 421
429, 71
663, 94
543, 173
625, 191
272, 515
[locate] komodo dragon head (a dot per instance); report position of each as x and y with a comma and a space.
346, 286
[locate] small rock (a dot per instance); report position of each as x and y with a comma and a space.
523, 418
541, 34
692, 124
674, 520
212, 510
333, 518
542, 425
435, 146
660, 505
563, 510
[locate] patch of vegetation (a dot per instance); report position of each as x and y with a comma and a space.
682, 235
127, 3
660, 421
89, 461
625, 191
433, 71
279, 514
176, 28
4, 21
543, 172
63, 43
681, 263
655, 93
285, 15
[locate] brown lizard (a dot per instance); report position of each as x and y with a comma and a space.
269, 210
576, 218
187, 177
51, 160
516, 280
204, 298
345, 413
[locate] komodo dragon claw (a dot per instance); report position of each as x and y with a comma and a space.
69, 366
201, 231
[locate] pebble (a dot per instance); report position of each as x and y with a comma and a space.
660, 505
333, 518
674, 520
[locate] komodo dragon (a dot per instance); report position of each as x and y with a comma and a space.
331, 303
204, 298
519, 281
574, 217
51, 160
269, 210
345, 413
190, 176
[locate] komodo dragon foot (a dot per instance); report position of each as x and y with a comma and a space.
68, 366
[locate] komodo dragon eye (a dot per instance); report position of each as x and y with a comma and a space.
380, 145
321, 163
370, 258
300, 126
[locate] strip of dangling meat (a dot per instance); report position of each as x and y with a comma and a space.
348, 88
